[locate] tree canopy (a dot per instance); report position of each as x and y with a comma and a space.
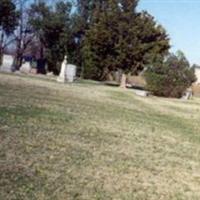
99, 36
8, 16
120, 38
53, 27
170, 78
8, 21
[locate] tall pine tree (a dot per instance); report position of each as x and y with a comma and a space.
121, 39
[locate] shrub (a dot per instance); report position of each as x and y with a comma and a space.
171, 77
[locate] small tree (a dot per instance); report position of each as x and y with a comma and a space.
170, 78
23, 35
8, 22
52, 26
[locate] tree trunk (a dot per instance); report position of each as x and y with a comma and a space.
1, 57
123, 81
18, 61
41, 51
1, 48
82, 71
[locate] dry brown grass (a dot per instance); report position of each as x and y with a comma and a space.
88, 141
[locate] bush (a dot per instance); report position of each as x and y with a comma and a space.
170, 78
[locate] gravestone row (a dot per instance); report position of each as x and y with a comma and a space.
67, 73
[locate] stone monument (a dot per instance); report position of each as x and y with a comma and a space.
25, 68
7, 64
62, 76
67, 72
197, 73
70, 73
142, 93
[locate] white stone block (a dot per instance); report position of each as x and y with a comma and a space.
70, 73
67, 72
141, 93
25, 68
7, 63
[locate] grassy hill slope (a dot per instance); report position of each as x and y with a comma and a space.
88, 141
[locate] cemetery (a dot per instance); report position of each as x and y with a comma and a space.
68, 75
97, 102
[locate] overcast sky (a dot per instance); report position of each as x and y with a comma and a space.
181, 19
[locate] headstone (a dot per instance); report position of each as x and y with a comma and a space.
123, 81
33, 71
197, 73
117, 76
70, 73
187, 95
7, 63
62, 76
25, 68
142, 93
50, 74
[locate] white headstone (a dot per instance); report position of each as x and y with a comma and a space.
62, 76
25, 68
7, 63
70, 73
197, 73
141, 93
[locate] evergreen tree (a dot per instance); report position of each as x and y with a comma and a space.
8, 22
80, 23
122, 39
170, 78
100, 40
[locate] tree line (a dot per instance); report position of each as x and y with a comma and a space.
99, 36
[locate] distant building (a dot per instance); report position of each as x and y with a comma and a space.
197, 73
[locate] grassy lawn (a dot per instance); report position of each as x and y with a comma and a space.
89, 141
